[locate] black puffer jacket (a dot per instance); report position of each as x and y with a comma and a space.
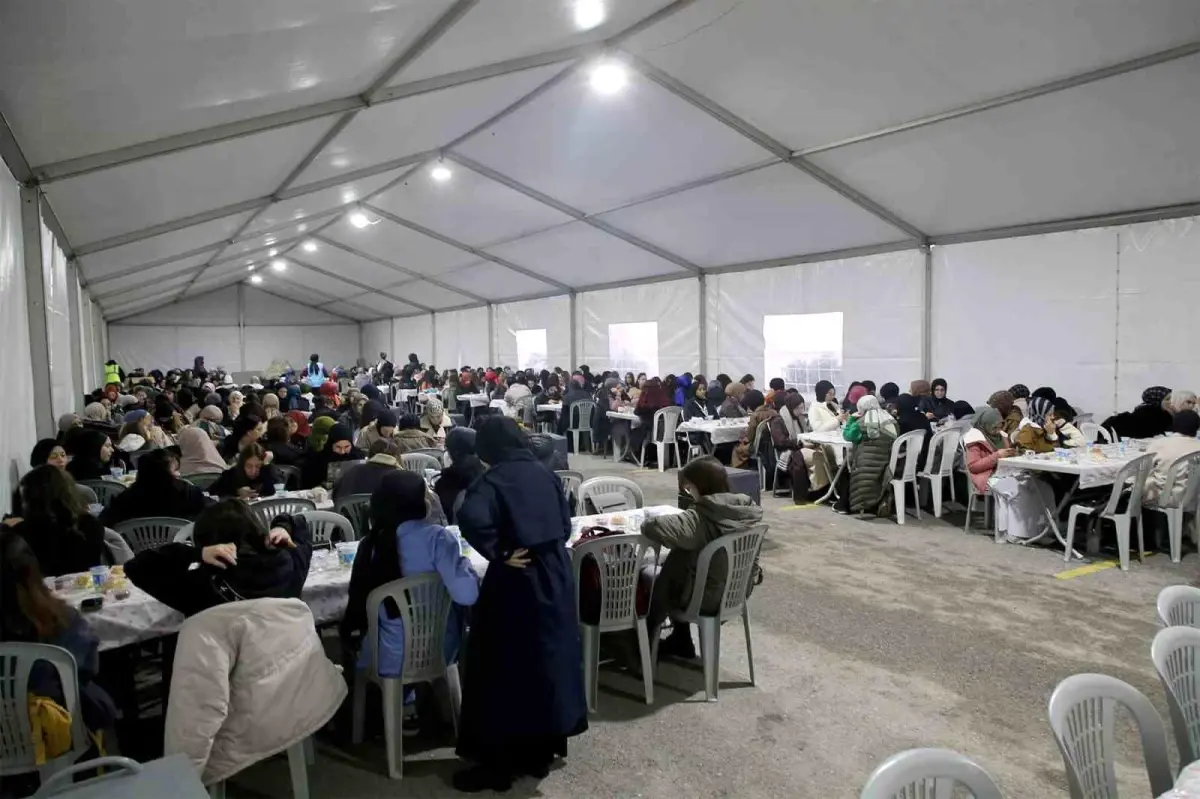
870, 478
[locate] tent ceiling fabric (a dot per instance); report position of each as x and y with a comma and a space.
179, 144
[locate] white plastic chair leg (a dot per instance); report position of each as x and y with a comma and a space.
1122, 525
951, 478
298, 769
1074, 515
1175, 532
393, 733
360, 708
710, 651
590, 637
749, 646
970, 507
216, 790
917, 505
898, 489
647, 663
310, 752
454, 687
935, 485
662, 456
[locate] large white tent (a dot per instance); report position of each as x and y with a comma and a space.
987, 191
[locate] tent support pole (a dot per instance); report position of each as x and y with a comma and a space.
491, 312
574, 359
702, 366
76, 342
433, 336
241, 295
927, 315
35, 307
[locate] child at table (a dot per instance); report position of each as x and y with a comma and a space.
234, 558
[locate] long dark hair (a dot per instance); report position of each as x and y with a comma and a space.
49, 498
154, 471
230, 521
28, 611
399, 498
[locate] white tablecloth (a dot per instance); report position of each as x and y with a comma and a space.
722, 431
828, 438
141, 617
405, 394
1187, 786
628, 416
1095, 467
476, 400
323, 500
499, 404
551, 408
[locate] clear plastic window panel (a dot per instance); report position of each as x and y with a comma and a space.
633, 347
532, 349
803, 349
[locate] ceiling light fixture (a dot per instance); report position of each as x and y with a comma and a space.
440, 173
250, 268
359, 219
279, 264
256, 279
589, 14
302, 228
310, 246
609, 77
271, 253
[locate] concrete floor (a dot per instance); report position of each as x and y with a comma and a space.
869, 638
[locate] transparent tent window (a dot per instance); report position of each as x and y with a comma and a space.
633, 347
531, 349
803, 349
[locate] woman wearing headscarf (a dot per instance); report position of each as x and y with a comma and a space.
1039, 429
760, 413
936, 405
198, 454
92, 455
319, 433
824, 415
986, 443
233, 408
66, 422
158, 491
1020, 393
279, 443
409, 435
653, 399
848, 405
1180, 400
402, 542
248, 429
382, 426
714, 398
337, 447
872, 430
731, 407
683, 385
434, 419
296, 402
298, 429
795, 457
909, 418
1147, 420
696, 404
1010, 414
210, 422
525, 694
464, 467
1065, 414
95, 412
270, 404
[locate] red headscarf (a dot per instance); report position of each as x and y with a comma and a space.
302, 428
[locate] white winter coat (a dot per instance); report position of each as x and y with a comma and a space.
251, 679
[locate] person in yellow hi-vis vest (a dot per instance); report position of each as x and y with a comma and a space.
113, 373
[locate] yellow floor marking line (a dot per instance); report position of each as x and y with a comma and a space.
810, 506
1092, 568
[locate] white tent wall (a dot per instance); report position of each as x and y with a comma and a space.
552, 315
879, 296
413, 334
19, 431
674, 306
58, 325
377, 338
461, 338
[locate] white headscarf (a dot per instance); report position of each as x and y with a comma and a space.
875, 421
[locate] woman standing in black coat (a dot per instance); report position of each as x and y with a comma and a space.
524, 696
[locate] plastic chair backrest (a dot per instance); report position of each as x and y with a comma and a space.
942, 449
1179, 606
1191, 489
150, 532
620, 559
104, 490
417, 462
571, 481
203, 481
184, 534
1094, 432
424, 605
356, 508
664, 423
1176, 656
902, 448
322, 524
291, 475
1136, 470
928, 774
265, 510
16, 740
740, 551
1083, 718
581, 415
62, 781
86, 495
598, 488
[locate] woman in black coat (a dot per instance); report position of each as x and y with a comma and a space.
56, 524
525, 694
464, 467
251, 477
158, 491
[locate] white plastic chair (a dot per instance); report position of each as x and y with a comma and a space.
1176, 656
322, 524
939, 466
418, 462
611, 494
16, 740
1136, 470
424, 605
265, 510
928, 774
150, 532
1093, 432
104, 490
762, 438
1083, 718
184, 534
620, 559
662, 435
907, 446
356, 508
1179, 606
740, 549
580, 423
973, 492
203, 481
1189, 502
571, 481
62, 781
290, 474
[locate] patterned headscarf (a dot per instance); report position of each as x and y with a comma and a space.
1038, 408
435, 412
988, 421
1155, 395
1019, 391
875, 421
95, 412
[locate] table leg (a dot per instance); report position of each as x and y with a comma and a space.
832, 492
1052, 518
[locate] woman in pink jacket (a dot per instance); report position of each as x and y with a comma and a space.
985, 444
